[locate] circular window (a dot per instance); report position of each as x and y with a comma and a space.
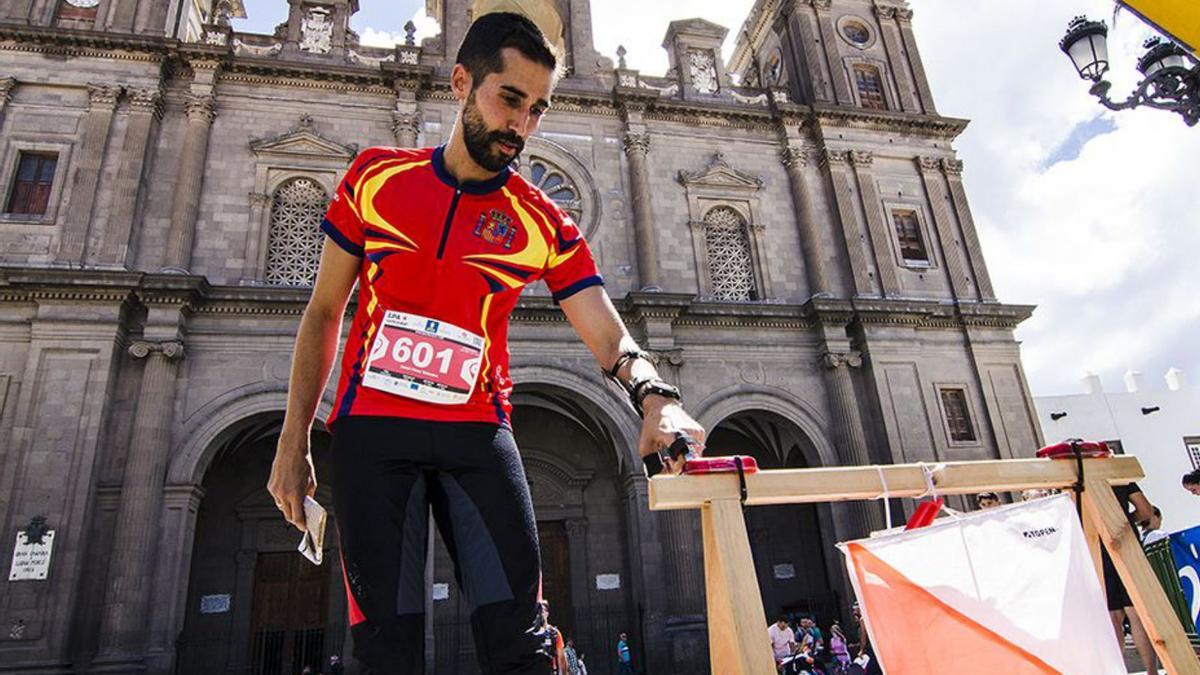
857, 33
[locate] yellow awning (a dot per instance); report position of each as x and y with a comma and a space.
1178, 19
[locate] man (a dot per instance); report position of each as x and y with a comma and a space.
1152, 532
572, 657
335, 665
552, 642
987, 500
783, 640
810, 633
441, 241
1120, 606
624, 658
1191, 482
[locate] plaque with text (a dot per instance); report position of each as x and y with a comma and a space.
31, 562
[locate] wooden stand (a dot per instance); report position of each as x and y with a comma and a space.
737, 625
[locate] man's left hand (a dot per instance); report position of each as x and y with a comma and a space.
664, 418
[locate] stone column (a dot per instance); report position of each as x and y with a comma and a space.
834, 162
7, 84
904, 18
102, 102
173, 560
881, 237
794, 161
958, 194
895, 53
837, 73
581, 584
188, 182
806, 43
637, 146
145, 110
406, 126
848, 431
955, 269
125, 626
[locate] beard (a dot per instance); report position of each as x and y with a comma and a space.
481, 141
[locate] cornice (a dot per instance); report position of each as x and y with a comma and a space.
66, 42
878, 120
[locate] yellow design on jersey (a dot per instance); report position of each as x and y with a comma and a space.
368, 186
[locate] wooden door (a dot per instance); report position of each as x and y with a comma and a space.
556, 574
291, 599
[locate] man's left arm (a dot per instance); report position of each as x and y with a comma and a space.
596, 321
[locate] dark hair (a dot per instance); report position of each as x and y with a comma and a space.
1157, 512
1192, 477
491, 33
987, 495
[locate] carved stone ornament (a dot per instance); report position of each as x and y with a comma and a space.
792, 156
406, 122
102, 95
885, 13
303, 140
904, 15
834, 157
628, 80
6, 87
316, 31
719, 174
215, 37
201, 108
636, 142
703, 69
409, 57
172, 350
832, 360
147, 101
954, 167
862, 158
929, 163
17, 630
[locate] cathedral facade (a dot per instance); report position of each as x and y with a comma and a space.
787, 232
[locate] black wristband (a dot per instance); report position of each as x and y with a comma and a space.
626, 357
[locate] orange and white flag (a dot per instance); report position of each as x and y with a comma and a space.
1009, 590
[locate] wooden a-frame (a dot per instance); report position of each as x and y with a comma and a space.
737, 626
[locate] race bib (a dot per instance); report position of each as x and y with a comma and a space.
424, 359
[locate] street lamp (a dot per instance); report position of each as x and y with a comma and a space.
1172, 77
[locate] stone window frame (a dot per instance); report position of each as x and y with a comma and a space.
1192, 445
972, 415
720, 185
890, 97
700, 239
926, 235
267, 181
18, 144
572, 167
868, 24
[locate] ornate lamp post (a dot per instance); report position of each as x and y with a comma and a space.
1172, 77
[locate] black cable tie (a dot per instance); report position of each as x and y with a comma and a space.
1079, 484
737, 461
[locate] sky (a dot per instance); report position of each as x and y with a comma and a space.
1088, 214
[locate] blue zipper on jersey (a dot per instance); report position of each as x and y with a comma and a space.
449, 219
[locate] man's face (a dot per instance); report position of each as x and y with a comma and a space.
1193, 488
502, 112
782, 623
623, 636
988, 502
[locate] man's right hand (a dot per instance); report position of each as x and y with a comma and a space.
292, 477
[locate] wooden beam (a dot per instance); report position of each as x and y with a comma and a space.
796, 486
737, 627
1170, 642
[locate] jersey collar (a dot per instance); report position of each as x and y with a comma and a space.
469, 187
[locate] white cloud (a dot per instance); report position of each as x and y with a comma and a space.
426, 27
1104, 243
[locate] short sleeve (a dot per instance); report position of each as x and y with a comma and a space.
570, 267
342, 223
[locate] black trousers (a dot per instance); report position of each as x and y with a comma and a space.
387, 474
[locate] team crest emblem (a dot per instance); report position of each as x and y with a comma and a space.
495, 227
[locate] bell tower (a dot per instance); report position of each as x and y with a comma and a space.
855, 53
567, 24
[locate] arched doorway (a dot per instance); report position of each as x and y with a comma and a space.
792, 543
254, 605
575, 481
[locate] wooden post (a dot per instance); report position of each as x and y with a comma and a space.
737, 626
1170, 642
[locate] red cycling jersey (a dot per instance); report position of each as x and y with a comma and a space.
443, 265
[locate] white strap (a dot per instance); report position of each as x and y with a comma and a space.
885, 496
